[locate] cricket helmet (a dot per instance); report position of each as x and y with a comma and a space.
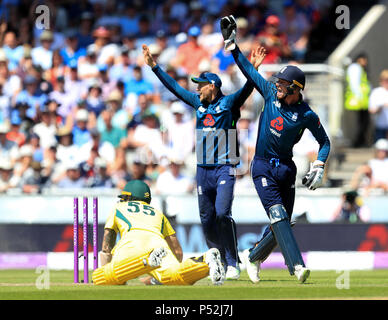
293, 75
136, 190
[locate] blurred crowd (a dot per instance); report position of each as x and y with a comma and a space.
80, 109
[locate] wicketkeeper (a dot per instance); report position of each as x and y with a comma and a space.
282, 122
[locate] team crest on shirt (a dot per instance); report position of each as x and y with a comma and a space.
277, 104
294, 116
201, 109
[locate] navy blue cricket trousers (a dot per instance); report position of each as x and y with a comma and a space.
215, 187
274, 181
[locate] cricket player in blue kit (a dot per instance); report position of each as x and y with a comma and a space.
217, 156
282, 122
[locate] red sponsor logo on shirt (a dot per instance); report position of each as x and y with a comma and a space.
277, 123
209, 121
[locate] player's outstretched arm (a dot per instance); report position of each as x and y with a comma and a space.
257, 56
250, 71
170, 83
148, 59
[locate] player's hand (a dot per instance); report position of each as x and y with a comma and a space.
313, 178
148, 56
257, 56
229, 30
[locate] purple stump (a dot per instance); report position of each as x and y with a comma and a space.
95, 233
75, 240
85, 240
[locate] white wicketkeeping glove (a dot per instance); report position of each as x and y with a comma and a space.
229, 30
313, 178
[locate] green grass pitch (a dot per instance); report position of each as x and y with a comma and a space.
274, 284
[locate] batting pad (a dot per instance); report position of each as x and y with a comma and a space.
186, 273
285, 238
119, 272
264, 248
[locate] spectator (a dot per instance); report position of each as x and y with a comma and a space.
72, 179
64, 99
104, 149
72, 50
357, 91
209, 39
57, 69
87, 67
378, 107
10, 83
138, 85
374, 174
145, 34
85, 29
180, 133
148, 136
167, 51
15, 134
46, 128
111, 134
26, 122
74, 87
33, 180
5, 105
120, 170
107, 84
102, 179
32, 96
37, 150
94, 101
106, 51
52, 169
66, 151
138, 171
274, 41
297, 28
43, 54
121, 69
6, 172
191, 53
81, 134
120, 117
130, 20
222, 60
12, 50
22, 167
351, 209
173, 181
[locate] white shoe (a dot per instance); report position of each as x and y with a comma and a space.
232, 273
253, 268
301, 273
216, 270
156, 256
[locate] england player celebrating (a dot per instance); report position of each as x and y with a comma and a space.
282, 122
217, 156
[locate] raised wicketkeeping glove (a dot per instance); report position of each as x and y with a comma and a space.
313, 178
229, 30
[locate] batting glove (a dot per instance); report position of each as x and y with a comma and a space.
105, 258
229, 30
313, 178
